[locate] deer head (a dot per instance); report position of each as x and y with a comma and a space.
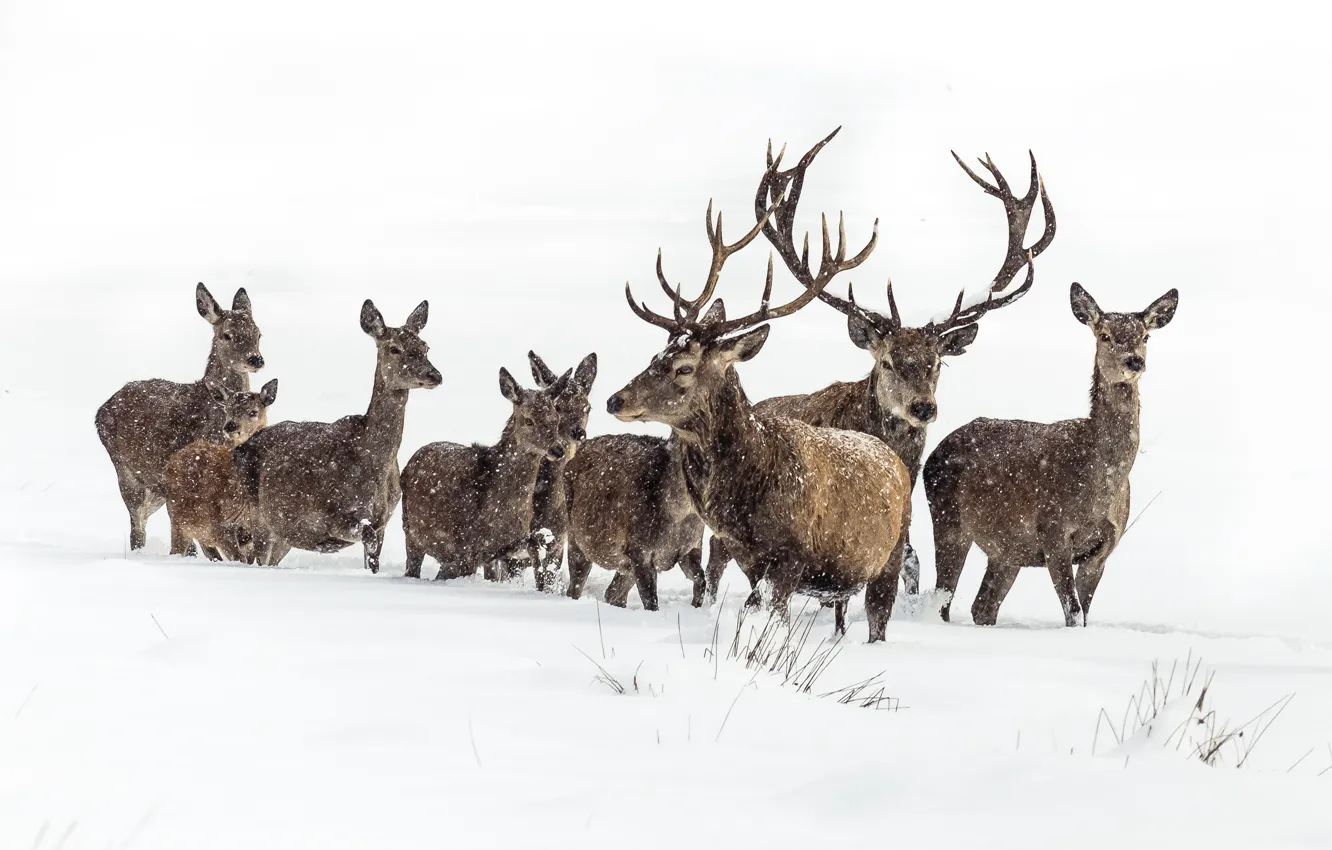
1121, 338
907, 360
571, 404
235, 335
535, 421
402, 362
245, 413
697, 360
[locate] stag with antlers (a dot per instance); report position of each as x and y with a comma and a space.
815, 510
896, 402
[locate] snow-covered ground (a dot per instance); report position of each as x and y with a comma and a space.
515, 165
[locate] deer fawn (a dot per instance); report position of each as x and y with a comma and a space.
1052, 495
814, 510
204, 499
323, 486
629, 511
145, 422
896, 402
470, 505
549, 509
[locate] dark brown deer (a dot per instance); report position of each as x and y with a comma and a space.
145, 422
814, 510
549, 509
323, 486
470, 506
204, 498
629, 512
896, 402
1032, 494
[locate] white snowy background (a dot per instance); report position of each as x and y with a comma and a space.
515, 164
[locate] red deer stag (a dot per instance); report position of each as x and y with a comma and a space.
549, 511
467, 506
896, 402
323, 486
145, 422
628, 511
815, 510
204, 499
1054, 495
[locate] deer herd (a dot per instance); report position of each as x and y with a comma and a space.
808, 494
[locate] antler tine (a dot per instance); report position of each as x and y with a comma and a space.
721, 252
894, 319
647, 315
661, 279
971, 315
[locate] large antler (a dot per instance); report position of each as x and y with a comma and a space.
783, 188
1018, 211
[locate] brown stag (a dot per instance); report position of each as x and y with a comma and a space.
146, 422
204, 497
896, 401
1054, 495
815, 510
324, 486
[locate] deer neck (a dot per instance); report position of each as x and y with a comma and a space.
906, 440
1115, 409
219, 374
384, 420
724, 437
514, 471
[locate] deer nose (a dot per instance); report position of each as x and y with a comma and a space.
579, 434
614, 404
924, 411
433, 378
231, 427
1135, 364
256, 362
557, 452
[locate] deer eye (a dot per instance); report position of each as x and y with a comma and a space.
887, 364
227, 336
394, 350
529, 422
1105, 337
685, 370
254, 416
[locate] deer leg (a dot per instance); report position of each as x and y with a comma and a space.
372, 539
1089, 576
645, 576
415, 557
1061, 574
718, 557
839, 617
692, 566
617, 592
180, 543
950, 556
784, 582
881, 593
994, 587
579, 569
910, 570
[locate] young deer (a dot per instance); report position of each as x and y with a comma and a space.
814, 510
204, 499
629, 511
896, 402
466, 506
145, 422
549, 511
323, 486
1052, 495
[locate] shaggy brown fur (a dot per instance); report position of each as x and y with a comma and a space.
1052, 495
204, 498
145, 422
468, 506
322, 486
629, 512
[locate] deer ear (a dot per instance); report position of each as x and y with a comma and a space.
1084, 306
715, 313
956, 343
240, 302
207, 304
541, 373
372, 321
416, 322
562, 383
1162, 310
268, 394
862, 332
586, 373
745, 346
509, 387
217, 391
